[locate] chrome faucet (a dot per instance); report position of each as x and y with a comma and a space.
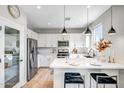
91, 51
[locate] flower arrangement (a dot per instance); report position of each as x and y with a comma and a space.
102, 45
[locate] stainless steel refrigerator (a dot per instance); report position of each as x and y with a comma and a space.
31, 58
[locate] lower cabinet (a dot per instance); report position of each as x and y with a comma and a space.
46, 56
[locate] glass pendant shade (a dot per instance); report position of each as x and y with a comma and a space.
88, 31
112, 31
64, 32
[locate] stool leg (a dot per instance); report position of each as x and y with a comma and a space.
116, 85
64, 85
90, 81
78, 85
84, 84
96, 84
104, 86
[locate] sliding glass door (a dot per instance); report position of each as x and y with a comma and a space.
12, 56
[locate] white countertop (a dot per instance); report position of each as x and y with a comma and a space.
84, 63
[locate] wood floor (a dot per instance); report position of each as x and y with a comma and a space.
43, 79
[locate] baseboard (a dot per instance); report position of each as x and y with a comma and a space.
44, 67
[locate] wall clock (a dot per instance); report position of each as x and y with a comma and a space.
14, 11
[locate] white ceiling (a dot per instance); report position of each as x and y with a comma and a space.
52, 16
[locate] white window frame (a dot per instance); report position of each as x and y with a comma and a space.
93, 38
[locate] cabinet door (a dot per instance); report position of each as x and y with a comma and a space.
49, 42
63, 37
76, 40
42, 40
52, 40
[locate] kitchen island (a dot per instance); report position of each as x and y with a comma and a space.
85, 66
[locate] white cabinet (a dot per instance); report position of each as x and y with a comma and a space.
47, 40
45, 60
76, 40
42, 40
63, 37
46, 56
51, 40
32, 34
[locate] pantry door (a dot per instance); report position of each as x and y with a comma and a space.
11, 52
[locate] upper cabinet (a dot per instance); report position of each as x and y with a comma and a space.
51, 40
63, 37
47, 40
76, 40
32, 34
42, 40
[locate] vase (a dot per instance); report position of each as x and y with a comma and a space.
102, 57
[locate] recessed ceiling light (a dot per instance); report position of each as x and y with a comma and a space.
38, 7
49, 23
88, 6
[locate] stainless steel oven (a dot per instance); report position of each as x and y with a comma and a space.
63, 43
62, 53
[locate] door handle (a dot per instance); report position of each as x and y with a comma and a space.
21, 60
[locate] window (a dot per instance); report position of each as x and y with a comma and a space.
88, 41
97, 34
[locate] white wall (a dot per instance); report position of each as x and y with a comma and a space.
118, 39
22, 20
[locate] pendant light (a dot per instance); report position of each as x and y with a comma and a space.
64, 32
88, 31
112, 30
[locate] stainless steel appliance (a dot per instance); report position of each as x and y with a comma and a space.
63, 43
31, 58
62, 53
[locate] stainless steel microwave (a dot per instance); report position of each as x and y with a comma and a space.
63, 43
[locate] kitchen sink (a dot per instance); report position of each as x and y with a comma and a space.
88, 56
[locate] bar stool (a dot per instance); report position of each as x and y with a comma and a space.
102, 78
73, 78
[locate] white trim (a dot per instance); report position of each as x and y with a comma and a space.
6, 22
96, 26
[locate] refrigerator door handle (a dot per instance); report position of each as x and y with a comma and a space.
0, 60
